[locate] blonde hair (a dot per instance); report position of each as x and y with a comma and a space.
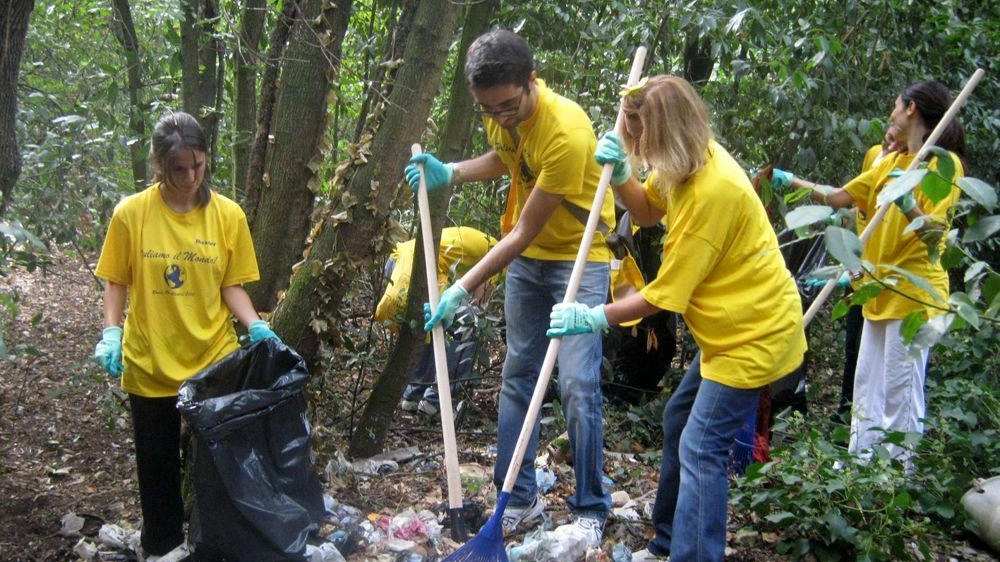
675, 128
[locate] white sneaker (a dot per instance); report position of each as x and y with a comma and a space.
645, 555
427, 407
514, 517
408, 405
591, 528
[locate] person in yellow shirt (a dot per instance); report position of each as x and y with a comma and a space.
545, 143
723, 273
890, 376
178, 252
460, 248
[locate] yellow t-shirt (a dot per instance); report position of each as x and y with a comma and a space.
175, 266
557, 156
871, 157
723, 272
888, 244
461, 248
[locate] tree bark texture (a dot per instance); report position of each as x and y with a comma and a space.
201, 64
355, 229
277, 43
246, 64
125, 33
369, 437
14, 16
297, 144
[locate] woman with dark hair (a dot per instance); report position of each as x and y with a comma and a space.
180, 253
890, 376
723, 272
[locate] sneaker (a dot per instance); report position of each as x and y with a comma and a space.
427, 407
591, 528
514, 517
408, 405
645, 555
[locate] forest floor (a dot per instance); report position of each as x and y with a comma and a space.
65, 444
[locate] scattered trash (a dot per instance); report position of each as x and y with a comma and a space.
85, 550
621, 553
325, 552
71, 524
982, 504
564, 544
619, 498
175, 555
116, 537
545, 479
607, 481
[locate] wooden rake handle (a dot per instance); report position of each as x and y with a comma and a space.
440, 355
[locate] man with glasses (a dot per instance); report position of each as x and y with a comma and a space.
546, 144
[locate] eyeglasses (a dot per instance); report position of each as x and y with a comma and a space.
507, 108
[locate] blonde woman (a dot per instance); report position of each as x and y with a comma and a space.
722, 271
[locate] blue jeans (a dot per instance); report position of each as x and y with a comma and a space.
533, 287
700, 423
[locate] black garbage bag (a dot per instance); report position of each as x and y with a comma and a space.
257, 498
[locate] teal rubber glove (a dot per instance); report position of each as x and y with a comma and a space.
451, 299
843, 281
781, 180
108, 352
610, 151
436, 173
570, 319
906, 203
261, 330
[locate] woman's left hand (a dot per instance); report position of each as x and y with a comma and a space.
261, 330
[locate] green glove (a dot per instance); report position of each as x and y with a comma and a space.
108, 352
610, 151
436, 173
451, 299
842, 281
781, 180
906, 202
261, 330
569, 319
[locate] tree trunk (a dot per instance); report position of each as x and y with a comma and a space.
698, 61
201, 67
14, 16
297, 144
369, 435
277, 43
125, 33
355, 229
246, 62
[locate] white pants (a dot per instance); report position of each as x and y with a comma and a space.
888, 389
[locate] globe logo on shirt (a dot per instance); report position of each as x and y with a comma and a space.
174, 276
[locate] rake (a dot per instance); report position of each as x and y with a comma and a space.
488, 544
455, 512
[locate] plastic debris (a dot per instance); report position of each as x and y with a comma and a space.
621, 553
564, 544
114, 536
545, 479
619, 498
71, 524
85, 550
325, 552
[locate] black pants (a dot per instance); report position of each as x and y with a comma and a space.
156, 425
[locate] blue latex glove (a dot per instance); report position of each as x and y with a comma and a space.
568, 319
907, 202
261, 330
108, 352
610, 151
843, 281
451, 299
436, 173
781, 180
